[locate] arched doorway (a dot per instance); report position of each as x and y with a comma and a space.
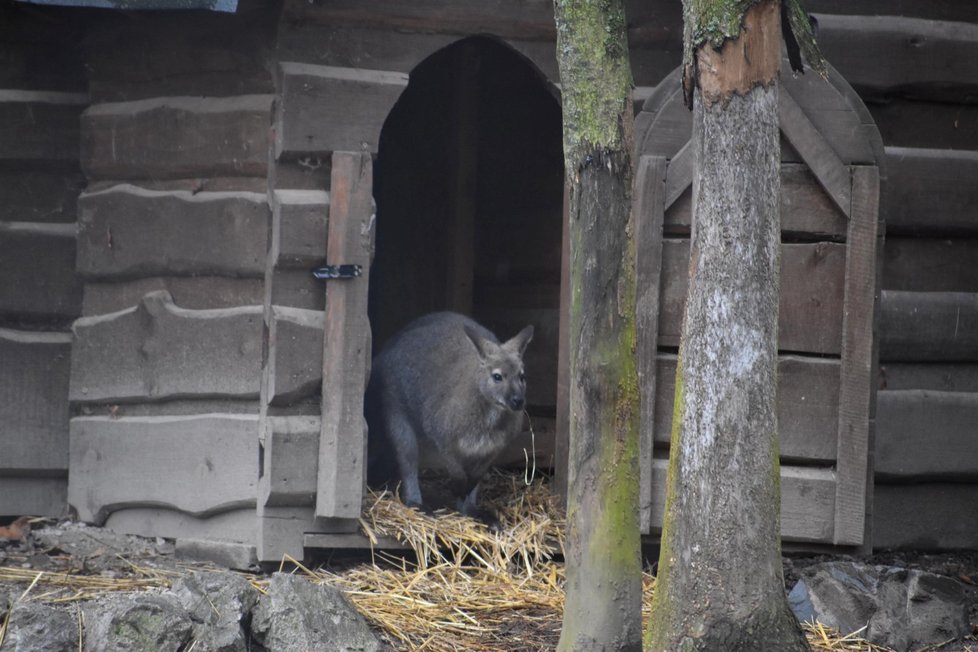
469, 191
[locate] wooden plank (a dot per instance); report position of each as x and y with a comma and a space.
808, 406
669, 122
930, 264
911, 124
39, 195
346, 341
812, 287
40, 126
917, 52
299, 219
933, 9
325, 108
562, 435
679, 174
293, 288
823, 161
806, 211
35, 496
199, 465
931, 516
926, 435
34, 401
37, 265
290, 451
293, 369
938, 377
285, 531
237, 525
159, 351
177, 137
807, 502
193, 293
128, 231
650, 193
928, 326
931, 191
855, 396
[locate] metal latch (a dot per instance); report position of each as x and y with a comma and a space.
329, 272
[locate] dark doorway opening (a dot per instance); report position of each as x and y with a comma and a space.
469, 189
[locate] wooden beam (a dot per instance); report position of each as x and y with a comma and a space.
650, 191
679, 174
855, 395
346, 340
931, 191
816, 152
929, 326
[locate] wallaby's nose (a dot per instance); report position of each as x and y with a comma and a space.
516, 402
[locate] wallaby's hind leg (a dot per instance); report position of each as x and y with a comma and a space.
405, 443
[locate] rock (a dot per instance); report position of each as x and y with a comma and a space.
35, 627
299, 615
137, 622
899, 608
217, 604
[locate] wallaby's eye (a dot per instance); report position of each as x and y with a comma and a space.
497, 377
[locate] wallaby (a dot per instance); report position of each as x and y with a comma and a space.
444, 394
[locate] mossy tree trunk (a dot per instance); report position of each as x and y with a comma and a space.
720, 583
602, 547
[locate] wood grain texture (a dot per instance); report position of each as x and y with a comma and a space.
928, 326
929, 516
199, 465
931, 191
926, 435
37, 496
649, 198
856, 392
177, 137
346, 340
325, 108
930, 264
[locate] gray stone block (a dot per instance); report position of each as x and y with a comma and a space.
299, 221
35, 627
199, 465
158, 351
139, 622
229, 554
899, 608
296, 614
177, 137
128, 231
34, 370
218, 605
37, 265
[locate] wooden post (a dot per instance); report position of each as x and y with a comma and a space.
346, 344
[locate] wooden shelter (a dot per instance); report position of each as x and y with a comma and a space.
170, 367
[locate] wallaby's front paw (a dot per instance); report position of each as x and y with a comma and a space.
487, 518
420, 507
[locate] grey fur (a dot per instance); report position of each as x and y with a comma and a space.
444, 394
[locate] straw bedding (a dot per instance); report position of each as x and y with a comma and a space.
466, 588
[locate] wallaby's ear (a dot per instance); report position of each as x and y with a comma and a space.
477, 341
519, 342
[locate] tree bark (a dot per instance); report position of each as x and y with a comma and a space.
720, 583
602, 547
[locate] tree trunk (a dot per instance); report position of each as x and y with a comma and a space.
602, 547
720, 583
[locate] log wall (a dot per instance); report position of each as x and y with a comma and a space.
41, 98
